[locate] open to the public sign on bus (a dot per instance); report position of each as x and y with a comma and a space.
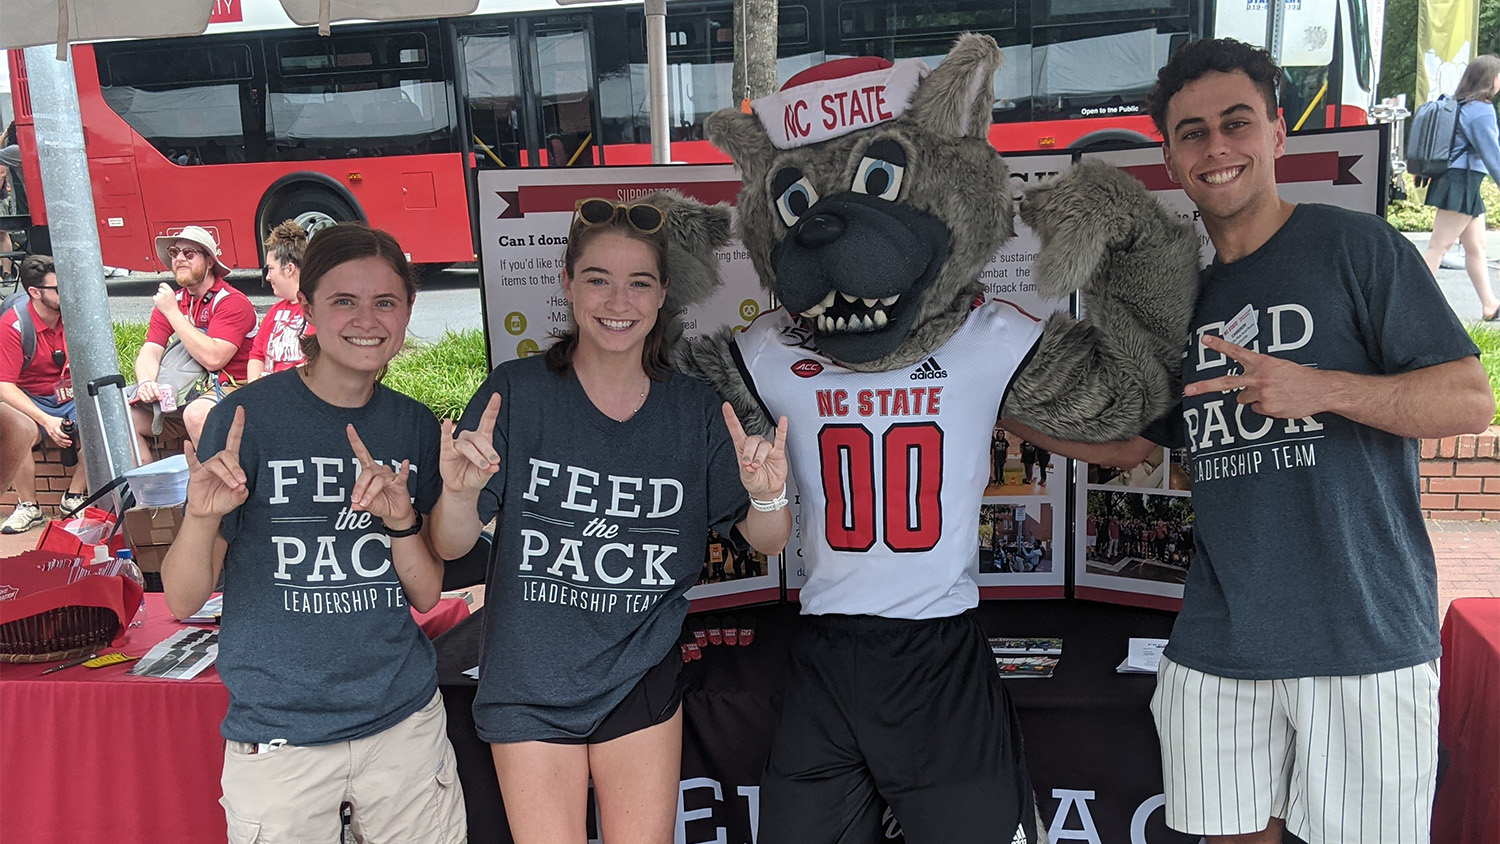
227, 11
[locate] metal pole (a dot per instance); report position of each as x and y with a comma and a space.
108, 440
656, 79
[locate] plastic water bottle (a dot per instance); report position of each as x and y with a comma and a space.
126, 564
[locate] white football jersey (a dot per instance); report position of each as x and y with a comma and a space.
891, 466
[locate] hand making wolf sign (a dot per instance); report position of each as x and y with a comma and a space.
1272, 387
217, 485
468, 460
380, 491
762, 464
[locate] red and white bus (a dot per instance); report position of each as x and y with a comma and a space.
258, 120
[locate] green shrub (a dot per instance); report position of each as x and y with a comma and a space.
1487, 338
128, 339
443, 375
1410, 215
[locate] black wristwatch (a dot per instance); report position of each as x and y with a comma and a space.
416, 527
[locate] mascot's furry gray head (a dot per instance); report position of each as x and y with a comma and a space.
874, 236
872, 200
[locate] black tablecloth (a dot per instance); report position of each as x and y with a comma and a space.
1089, 738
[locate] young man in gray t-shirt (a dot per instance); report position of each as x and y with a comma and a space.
1299, 690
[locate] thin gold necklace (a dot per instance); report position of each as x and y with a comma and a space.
645, 385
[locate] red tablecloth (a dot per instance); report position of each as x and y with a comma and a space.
1467, 808
97, 755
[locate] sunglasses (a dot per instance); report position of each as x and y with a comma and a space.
174, 252
596, 211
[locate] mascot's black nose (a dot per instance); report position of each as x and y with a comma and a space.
820, 230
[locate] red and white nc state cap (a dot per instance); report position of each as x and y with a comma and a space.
838, 97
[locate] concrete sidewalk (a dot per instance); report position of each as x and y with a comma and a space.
1468, 558
1457, 288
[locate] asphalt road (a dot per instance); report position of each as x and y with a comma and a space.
448, 300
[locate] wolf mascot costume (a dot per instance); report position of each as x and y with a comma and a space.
871, 202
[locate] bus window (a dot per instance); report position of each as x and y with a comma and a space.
564, 70
377, 93
1099, 58
494, 112
192, 103
926, 30
700, 71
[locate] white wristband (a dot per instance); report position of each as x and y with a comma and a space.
773, 505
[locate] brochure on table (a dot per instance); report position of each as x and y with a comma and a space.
524, 218
1021, 527
1133, 530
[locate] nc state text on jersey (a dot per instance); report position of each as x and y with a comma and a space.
896, 401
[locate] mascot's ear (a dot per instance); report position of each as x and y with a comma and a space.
694, 232
744, 139
957, 98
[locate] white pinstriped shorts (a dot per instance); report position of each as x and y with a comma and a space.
1350, 759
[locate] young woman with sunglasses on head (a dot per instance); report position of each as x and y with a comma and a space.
309, 502
606, 470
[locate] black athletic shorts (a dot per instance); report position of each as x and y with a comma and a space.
906, 713
654, 699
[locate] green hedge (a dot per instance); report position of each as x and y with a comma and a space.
443, 375
1410, 215
1487, 338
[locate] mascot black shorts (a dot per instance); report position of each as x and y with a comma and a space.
907, 713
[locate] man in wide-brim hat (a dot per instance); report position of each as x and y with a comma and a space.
214, 323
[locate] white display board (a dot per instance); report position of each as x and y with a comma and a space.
524, 219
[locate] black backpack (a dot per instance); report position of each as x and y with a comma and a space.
1433, 140
17, 302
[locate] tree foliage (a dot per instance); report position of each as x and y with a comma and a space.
1398, 53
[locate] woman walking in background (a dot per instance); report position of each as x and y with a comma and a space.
1455, 193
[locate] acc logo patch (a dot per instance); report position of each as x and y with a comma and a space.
806, 368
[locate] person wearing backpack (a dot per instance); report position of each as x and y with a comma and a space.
35, 383
1455, 193
213, 322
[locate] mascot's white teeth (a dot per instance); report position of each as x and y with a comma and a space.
854, 324
867, 314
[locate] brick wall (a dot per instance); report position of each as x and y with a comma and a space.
1461, 477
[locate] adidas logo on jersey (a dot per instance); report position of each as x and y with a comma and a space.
929, 369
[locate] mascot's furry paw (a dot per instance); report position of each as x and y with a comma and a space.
694, 232
1108, 376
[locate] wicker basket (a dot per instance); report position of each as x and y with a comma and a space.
61, 633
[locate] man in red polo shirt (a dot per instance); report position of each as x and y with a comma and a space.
40, 390
213, 321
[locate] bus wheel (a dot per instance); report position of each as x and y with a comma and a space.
313, 209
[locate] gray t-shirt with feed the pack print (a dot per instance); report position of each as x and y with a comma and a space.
317, 643
602, 529
1312, 557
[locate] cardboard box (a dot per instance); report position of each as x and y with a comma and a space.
149, 557
147, 526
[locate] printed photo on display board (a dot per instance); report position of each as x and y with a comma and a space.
1019, 538
1133, 536
524, 220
